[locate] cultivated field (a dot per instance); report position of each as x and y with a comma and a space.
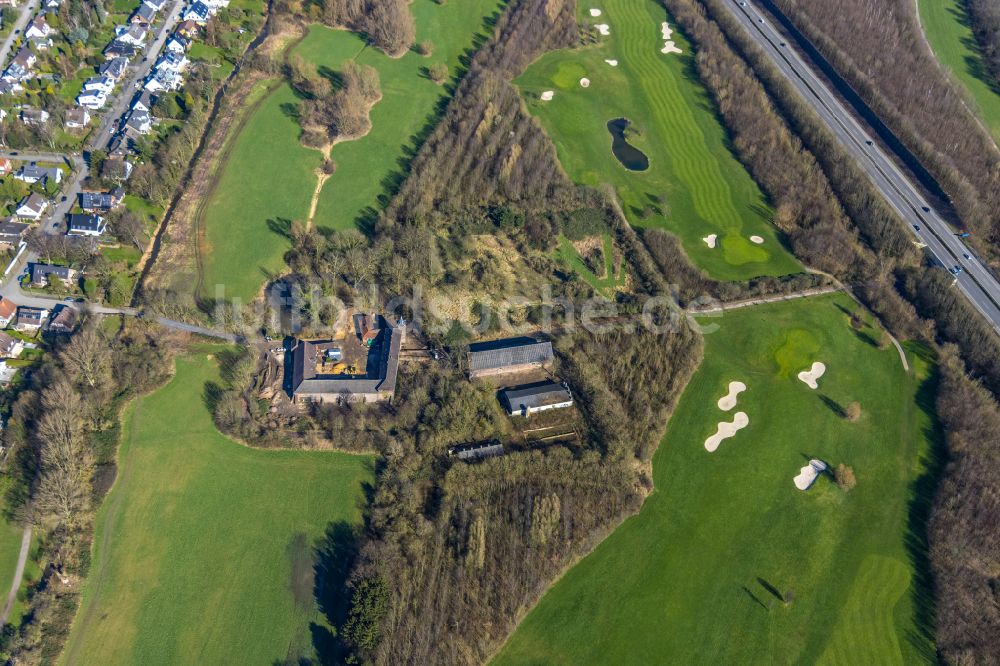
203, 551
703, 573
269, 178
693, 186
946, 25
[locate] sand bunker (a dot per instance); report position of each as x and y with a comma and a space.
711, 239
812, 374
613, 63
727, 430
585, 82
728, 401
547, 95
808, 474
603, 28
756, 239
595, 12
668, 44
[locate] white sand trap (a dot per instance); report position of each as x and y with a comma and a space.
547, 95
728, 401
595, 12
756, 239
668, 44
603, 28
613, 63
665, 29
727, 430
812, 374
670, 47
585, 82
711, 239
808, 474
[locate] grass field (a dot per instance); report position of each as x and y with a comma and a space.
605, 284
705, 188
266, 182
268, 178
696, 576
946, 25
203, 548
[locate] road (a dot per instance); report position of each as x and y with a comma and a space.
976, 282
22, 560
27, 12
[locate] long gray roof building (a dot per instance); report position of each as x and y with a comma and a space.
529, 398
507, 355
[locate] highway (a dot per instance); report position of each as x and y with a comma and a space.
976, 282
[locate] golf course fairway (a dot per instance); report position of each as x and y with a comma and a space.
728, 562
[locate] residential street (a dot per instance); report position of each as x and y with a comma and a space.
29, 9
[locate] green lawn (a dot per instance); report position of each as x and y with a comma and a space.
203, 548
366, 166
686, 580
946, 25
10, 549
269, 175
266, 181
705, 189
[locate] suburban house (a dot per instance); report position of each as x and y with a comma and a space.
32, 207
116, 167
104, 84
508, 355
119, 49
157, 5
85, 224
215, 5
311, 385
38, 29
101, 201
30, 319
133, 35
92, 99
11, 233
34, 116
51, 4
144, 15
32, 173
7, 310
197, 12
138, 123
10, 347
143, 102
164, 79
178, 44
188, 28
43, 275
19, 68
114, 68
536, 397
77, 118
64, 320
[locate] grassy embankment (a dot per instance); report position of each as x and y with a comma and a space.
946, 24
268, 178
694, 186
204, 549
701, 573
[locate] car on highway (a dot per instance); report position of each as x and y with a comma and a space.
869, 142
955, 270
916, 227
925, 209
966, 255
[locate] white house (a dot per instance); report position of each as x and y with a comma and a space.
178, 44
32, 207
139, 122
34, 116
197, 12
77, 118
133, 35
103, 84
216, 5
38, 29
92, 99
86, 224
144, 102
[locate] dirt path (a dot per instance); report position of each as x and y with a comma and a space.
735, 305
321, 177
22, 559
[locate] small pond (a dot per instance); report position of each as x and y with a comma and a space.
631, 157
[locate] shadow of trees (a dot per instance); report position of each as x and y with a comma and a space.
334, 555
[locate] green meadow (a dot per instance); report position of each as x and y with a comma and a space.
268, 177
204, 549
694, 186
946, 25
728, 562
611, 279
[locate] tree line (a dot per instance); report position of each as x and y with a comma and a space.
984, 16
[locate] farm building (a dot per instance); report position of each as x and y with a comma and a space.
507, 355
318, 375
536, 397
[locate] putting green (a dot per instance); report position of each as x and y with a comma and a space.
946, 25
203, 549
703, 572
694, 186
